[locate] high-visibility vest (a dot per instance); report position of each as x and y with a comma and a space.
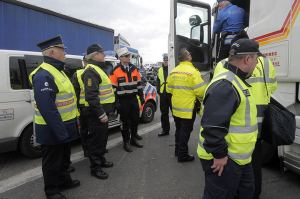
185, 84
242, 132
81, 85
263, 84
126, 84
162, 80
65, 98
106, 92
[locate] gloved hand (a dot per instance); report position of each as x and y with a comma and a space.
142, 100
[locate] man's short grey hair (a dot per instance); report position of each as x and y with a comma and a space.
47, 52
236, 57
91, 56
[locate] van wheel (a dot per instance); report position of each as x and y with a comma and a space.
26, 144
148, 112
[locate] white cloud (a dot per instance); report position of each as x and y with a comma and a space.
144, 23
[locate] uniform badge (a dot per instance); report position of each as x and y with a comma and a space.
46, 84
246, 92
89, 82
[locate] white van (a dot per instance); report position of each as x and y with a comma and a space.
16, 111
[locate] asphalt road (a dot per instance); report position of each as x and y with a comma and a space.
151, 173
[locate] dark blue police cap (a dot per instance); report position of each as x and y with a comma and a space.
53, 42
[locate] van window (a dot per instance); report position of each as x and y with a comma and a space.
19, 70
14, 73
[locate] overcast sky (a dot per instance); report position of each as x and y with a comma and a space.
144, 23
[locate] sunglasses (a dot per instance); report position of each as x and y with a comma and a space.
125, 56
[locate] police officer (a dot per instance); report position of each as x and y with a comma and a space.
165, 98
98, 103
229, 126
230, 21
184, 80
55, 117
79, 90
263, 84
127, 81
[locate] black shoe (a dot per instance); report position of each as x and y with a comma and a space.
70, 169
187, 158
71, 185
56, 196
99, 174
163, 134
106, 151
107, 164
138, 137
133, 142
127, 147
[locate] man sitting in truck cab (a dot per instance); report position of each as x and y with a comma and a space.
230, 21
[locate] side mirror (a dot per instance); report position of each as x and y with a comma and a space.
195, 20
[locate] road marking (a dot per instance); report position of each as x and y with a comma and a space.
35, 173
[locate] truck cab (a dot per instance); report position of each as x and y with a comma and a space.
278, 32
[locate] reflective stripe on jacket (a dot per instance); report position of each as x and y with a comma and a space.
126, 83
162, 80
65, 99
263, 84
242, 132
106, 92
80, 82
186, 85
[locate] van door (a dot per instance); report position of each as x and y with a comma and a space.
190, 28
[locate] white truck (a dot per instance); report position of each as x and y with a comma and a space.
274, 24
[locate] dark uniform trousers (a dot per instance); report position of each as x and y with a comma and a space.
96, 141
165, 106
184, 127
55, 162
83, 130
236, 181
256, 156
129, 115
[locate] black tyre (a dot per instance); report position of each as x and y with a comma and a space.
148, 112
26, 144
269, 154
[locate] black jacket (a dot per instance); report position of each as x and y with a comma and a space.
91, 80
220, 103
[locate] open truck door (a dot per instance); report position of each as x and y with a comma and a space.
190, 28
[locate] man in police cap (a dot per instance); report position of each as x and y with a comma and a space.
98, 103
55, 117
165, 98
229, 126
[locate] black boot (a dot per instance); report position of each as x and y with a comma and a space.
99, 173
163, 134
135, 143
186, 158
138, 137
70, 185
127, 147
56, 196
